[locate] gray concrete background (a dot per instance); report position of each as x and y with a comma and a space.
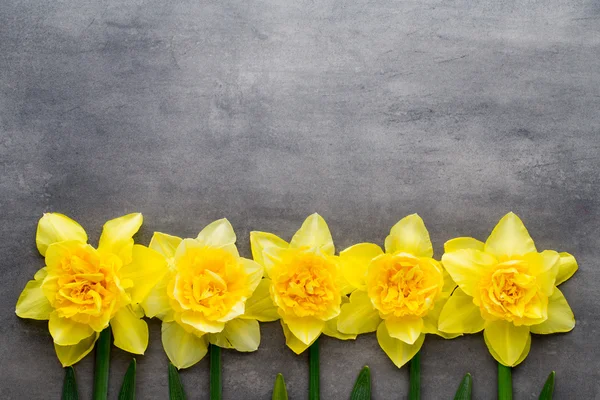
267, 111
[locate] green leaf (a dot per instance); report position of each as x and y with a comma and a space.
70, 385
216, 378
414, 392
279, 390
504, 382
548, 389
465, 388
175, 387
102, 365
362, 386
128, 387
313, 371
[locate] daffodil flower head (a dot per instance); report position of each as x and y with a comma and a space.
398, 293
305, 281
82, 290
209, 294
507, 289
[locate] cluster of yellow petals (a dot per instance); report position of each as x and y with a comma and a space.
82, 290
209, 294
83, 284
398, 293
304, 285
511, 293
305, 281
507, 289
404, 285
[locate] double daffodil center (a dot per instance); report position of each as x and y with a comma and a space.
208, 280
304, 284
511, 293
403, 285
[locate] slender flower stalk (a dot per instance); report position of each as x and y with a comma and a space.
216, 378
415, 377
314, 388
101, 370
504, 382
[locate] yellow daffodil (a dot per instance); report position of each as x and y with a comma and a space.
399, 293
507, 289
209, 294
306, 283
82, 290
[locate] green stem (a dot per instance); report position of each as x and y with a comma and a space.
415, 377
216, 378
504, 382
102, 365
313, 371
70, 385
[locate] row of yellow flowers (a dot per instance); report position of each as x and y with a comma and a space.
205, 293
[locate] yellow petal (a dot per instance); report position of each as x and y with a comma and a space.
398, 351
314, 233
560, 316
41, 274
261, 241
260, 306
254, 272
165, 244
306, 329
184, 349
409, 235
521, 357
460, 243
217, 234
33, 303
146, 269
67, 332
238, 309
466, 267
358, 316
54, 227
157, 304
355, 261
130, 332
292, 341
69, 355
506, 341
407, 329
331, 329
509, 238
201, 324
117, 235
544, 266
239, 334
430, 321
566, 268
460, 315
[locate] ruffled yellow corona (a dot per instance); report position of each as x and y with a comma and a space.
507, 289
209, 294
82, 290
306, 284
399, 293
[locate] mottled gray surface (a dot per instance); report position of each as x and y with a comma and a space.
267, 111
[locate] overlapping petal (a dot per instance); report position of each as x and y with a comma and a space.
183, 348
55, 227
466, 267
355, 262
130, 332
397, 350
314, 234
560, 316
409, 235
509, 238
